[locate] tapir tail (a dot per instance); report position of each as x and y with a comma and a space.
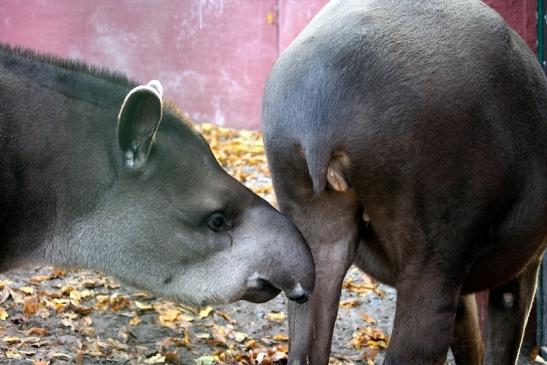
317, 159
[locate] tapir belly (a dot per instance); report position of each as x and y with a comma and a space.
496, 262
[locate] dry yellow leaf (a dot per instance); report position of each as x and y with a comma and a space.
350, 303
58, 272
13, 354
135, 320
36, 280
118, 302
75, 295
186, 317
60, 355
143, 306
36, 331
102, 302
369, 337
280, 337
3, 314
368, 318
169, 315
276, 317
5, 283
204, 313
12, 339
86, 293
31, 306
27, 290
239, 336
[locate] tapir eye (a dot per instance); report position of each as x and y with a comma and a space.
217, 221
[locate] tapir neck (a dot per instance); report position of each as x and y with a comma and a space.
57, 151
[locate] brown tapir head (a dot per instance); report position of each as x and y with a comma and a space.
142, 197
177, 224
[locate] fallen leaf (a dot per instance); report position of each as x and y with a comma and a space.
11, 340
60, 355
36, 331
368, 318
172, 357
135, 320
3, 314
38, 279
205, 360
349, 303
58, 272
31, 306
79, 358
143, 306
27, 290
371, 337
186, 317
5, 283
169, 315
276, 316
156, 359
204, 313
239, 336
75, 295
280, 337
184, 341
225, 316
118, 302
13, 354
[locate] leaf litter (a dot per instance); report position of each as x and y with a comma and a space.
55, 316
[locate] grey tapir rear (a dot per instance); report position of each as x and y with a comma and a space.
410, 138
86, 182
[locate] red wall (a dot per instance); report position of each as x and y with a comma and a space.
521, 15
212, 56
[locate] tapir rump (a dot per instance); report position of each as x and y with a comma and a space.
410, 138
98, 172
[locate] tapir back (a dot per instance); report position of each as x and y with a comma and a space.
390, 73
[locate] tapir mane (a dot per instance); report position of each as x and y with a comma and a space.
68, 64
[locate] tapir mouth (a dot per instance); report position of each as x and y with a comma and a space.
260, 291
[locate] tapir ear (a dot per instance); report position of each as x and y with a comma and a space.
138, 121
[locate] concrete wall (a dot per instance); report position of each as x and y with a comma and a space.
212, 56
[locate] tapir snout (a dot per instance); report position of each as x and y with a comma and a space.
288, 265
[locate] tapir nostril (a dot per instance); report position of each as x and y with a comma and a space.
298, 294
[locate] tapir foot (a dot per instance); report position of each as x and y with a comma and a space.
508, 310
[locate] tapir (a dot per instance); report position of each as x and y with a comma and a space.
97, 171
410, 138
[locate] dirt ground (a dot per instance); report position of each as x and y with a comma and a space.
53, 316
84, 317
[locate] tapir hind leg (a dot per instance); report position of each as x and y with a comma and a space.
311, 324
329, 221
508, 310
466, 344
424, 320
331, 235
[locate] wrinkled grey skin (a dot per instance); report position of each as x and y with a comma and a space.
410, 138
131, 190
